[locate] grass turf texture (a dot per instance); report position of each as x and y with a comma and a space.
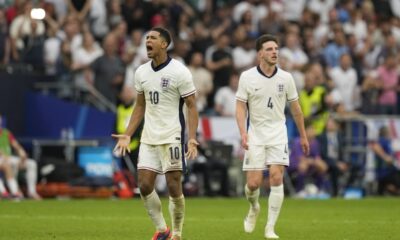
212, 219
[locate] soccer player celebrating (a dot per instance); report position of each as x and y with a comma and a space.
163, 85
263, 92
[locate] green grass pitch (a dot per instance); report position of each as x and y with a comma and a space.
211, 219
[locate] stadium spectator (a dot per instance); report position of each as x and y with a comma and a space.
390, 47
298, 76
312, 102
322, 8
201, 38
81, 60
370, 89
108, 70
114, 15
272, 23
293, 9
59, 9
98, 19
244, 55
202, 79
388, 77
51, 48
262, 95
14, 10
331, 145
356, 26
335, 49
161, 105
225, 98
22, 27
344, 78
32, 53
120, 32
80, 8
294, 52
308, 168
125, 108
387, 173
180, 50
219, 60
7, 171
132, 45
8, 143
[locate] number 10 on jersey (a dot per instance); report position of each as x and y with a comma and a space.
154, 97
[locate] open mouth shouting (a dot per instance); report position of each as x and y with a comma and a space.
149, 49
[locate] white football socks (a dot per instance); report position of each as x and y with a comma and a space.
31, 177
274, 205
252, 196
177, 212
13, 186
153, 205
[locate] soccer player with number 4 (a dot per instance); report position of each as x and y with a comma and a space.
163, 85
261, 97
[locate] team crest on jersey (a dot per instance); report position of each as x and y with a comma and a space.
280, 88
165, 83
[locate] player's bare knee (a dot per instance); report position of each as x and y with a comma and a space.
253, 185
174, 188
145, 188
276, 178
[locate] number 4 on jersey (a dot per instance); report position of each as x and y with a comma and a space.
270, 104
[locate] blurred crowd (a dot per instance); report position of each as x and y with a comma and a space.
344, 54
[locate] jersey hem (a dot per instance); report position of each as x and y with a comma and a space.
151, 169
255, 169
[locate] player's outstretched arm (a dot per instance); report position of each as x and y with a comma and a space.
297, 114
123, 140
193, 116
241, 112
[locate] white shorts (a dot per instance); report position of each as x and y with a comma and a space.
161, 158
259, 157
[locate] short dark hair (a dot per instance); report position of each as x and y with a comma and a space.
164, 33
265, 38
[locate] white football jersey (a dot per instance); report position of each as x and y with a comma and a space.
266, 99
164, 88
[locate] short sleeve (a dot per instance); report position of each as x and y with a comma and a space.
137, 82
241, 93
186, 85
291, 94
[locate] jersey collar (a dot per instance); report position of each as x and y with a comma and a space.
162, 65
262, 73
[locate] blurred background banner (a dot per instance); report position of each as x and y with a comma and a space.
47, 116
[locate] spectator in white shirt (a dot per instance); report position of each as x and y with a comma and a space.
244, 55
82, 58
225, 98
202, 79
294, 52
344, 78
